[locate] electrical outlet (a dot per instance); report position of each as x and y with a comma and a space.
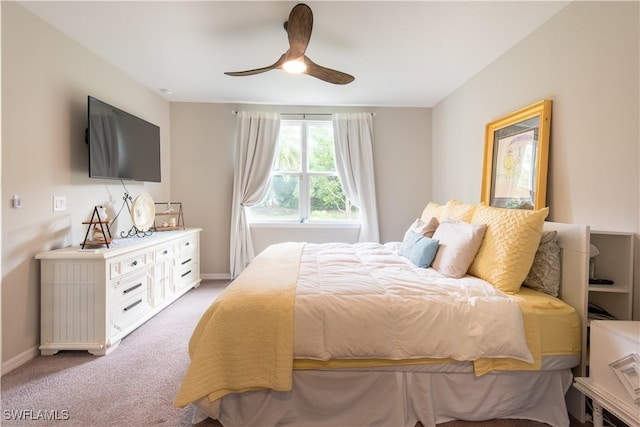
59, 203
16, 201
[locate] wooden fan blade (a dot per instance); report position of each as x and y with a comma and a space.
299, 28
327, 74
273, 66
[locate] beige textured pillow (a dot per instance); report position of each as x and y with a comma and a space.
432, 210
509, 245
430, 227
424, 228
457, 211
459, 243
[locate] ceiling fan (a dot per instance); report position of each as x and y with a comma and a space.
298, 28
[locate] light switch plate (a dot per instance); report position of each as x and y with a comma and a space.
59, 203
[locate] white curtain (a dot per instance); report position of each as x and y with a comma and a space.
353, 137
255, 146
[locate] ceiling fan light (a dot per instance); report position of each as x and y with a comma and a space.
295, 66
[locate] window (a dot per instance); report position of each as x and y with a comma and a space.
304, 182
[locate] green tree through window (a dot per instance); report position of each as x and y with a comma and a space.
304, 182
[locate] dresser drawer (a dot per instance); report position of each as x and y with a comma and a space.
126, 265
164, 253
186, 275
188, 244
129, 310
130, 287
184, 260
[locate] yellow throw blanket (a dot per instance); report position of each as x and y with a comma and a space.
244, 341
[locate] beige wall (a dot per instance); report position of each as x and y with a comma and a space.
202, 174
585, 59
46, 78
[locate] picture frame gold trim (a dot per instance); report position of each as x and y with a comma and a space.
516, 157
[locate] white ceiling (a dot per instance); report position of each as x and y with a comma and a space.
401, 53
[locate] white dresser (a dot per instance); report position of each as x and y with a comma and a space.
92, 298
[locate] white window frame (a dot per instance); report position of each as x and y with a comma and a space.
304, 206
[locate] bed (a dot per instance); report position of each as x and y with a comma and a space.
367, 335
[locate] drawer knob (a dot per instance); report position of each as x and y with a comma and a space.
134, 263
185, 274
165, 252
186, 261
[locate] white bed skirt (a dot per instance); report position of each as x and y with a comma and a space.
396, 399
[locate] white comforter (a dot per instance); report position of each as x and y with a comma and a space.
365, 301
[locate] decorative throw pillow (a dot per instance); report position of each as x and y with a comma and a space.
410, 239
544, 275
457, 211
429, 227
509, 245
419, 249
432, 210
425, 228
423, 252
459, 242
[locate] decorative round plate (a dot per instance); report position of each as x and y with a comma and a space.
143, 212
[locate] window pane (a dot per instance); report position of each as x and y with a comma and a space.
321, 153
328, 201
281, 202
288, 150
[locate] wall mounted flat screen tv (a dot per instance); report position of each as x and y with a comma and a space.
121, 145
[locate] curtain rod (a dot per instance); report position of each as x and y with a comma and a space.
303, 114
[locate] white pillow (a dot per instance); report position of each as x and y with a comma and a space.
458, 244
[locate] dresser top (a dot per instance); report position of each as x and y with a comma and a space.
117, 246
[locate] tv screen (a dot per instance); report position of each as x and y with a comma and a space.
121, 145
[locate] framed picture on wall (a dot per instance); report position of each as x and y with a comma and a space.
516, 156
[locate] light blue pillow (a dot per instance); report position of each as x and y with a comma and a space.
423, 252
410, 239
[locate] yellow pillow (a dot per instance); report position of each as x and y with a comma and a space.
432, 210
455, 210
509, 245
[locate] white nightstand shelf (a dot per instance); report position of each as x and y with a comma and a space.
602, 399
614, 343
614, 262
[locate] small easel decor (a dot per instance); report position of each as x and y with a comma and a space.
98, 226
169, 216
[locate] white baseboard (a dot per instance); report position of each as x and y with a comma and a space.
218, 276
20, 360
